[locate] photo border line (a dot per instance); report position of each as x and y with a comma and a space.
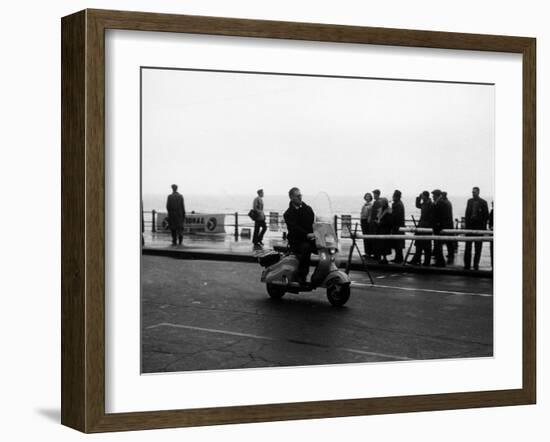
294, 74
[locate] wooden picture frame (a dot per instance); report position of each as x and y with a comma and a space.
83, 220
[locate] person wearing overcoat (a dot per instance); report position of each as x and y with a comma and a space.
398, 221
476, 217
424, 203
384, 223
440, 215
175, 207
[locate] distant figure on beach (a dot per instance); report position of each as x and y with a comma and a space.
299, 218
398, 220
425, 205
449, 225
259, 223
439, 221
176, 214
383, 227
476, 218
366, 219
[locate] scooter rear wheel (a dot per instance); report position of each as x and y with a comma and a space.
275, 291
338, 294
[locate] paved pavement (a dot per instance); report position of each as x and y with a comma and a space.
211, 315
225, 247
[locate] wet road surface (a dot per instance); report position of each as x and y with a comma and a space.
209, 315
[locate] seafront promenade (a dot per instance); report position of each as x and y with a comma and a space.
225, 247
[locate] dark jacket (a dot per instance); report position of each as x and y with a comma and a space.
398, 220
176, 211
398, 216
449, 220
426, 212
376, 207
384, 227
440, 215
299, 223
477, 214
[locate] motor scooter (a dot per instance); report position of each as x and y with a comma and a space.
280, 273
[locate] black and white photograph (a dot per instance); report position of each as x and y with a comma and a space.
304, 219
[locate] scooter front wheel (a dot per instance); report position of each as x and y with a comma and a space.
275, 291
338, 294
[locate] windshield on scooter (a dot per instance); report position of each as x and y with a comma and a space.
325, 236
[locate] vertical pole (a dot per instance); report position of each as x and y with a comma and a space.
153, 220
236, 226
336, 225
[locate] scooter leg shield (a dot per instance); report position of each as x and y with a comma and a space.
283, 271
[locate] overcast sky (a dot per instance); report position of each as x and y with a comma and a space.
232, 133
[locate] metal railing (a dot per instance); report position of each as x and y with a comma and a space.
238, 223
240, 220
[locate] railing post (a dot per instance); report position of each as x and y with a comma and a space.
336, 225
236, 226
153, 220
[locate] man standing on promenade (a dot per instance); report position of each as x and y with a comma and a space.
439, 220
299, 218
376, 209
366, 220
449, 225
259, 222
176, 214
425, 205
398, 220
477, 215
376, 205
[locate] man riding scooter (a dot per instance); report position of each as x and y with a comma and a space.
286, 273
299, 218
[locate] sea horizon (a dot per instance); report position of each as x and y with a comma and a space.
339, 204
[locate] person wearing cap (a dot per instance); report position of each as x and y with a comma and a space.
425, 205
398, 220
439, 219
259, 223
175, 207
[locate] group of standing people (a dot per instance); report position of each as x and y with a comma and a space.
436, 213
378, 218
